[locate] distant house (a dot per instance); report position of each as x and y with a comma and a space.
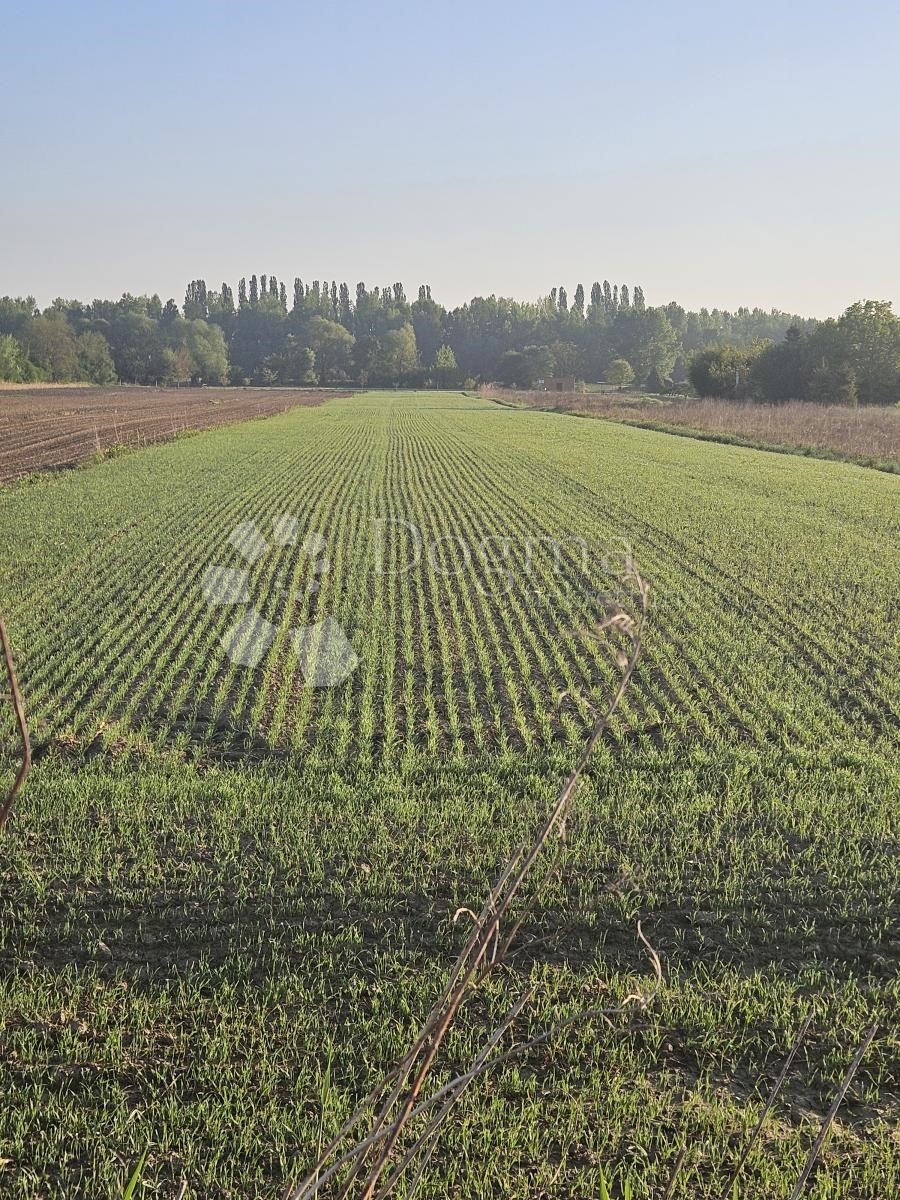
557, 383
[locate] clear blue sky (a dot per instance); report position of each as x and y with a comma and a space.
716, 153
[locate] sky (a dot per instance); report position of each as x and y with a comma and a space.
715, 153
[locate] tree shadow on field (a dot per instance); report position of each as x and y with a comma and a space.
238, 929
271, 914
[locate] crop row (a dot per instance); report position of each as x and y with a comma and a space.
467, 568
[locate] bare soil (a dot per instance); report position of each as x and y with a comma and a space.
47, 428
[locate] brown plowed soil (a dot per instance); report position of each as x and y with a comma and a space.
49, 428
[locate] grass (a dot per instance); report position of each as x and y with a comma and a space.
876, 462
868, 436
41, 385
227, 899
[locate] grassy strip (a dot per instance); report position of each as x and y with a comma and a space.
890, 466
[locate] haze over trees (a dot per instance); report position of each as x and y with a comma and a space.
319, 332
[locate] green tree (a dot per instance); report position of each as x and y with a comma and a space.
345, 308
295, 365
868, 337
566, 358
655, 384
95, 363
170, 312
132, 337
428, 320
209, 356
523, 368
834, 385
195, 301
14, 364
177, 366
724, 372
398, 355
333, 347
646, 339
782, 371
446, 369
50, 344
513, 369
14, 312
620, 372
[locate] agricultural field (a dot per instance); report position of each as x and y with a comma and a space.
298, 687
45, 428
869, 435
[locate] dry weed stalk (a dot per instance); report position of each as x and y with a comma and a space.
773, 1095
676, 1170
816, 1150
21, 724
367, 1163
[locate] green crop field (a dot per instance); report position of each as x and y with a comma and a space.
228, 894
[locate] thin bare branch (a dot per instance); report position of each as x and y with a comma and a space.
21, 725
776, 1088
312, 1185
832, 1113
676, 1170
626, 624
428, 1139
395, 1101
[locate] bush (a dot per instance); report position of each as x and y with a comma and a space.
723, 372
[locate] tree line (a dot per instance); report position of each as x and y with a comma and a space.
305, 333
854, 359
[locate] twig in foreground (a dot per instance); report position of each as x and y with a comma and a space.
396, 1098
21, 724
832, 1112
673, 1178
776, 1088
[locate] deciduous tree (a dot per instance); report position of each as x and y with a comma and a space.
95, 363
620, 372
333, 346
446, 370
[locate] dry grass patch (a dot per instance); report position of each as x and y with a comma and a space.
870, 434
